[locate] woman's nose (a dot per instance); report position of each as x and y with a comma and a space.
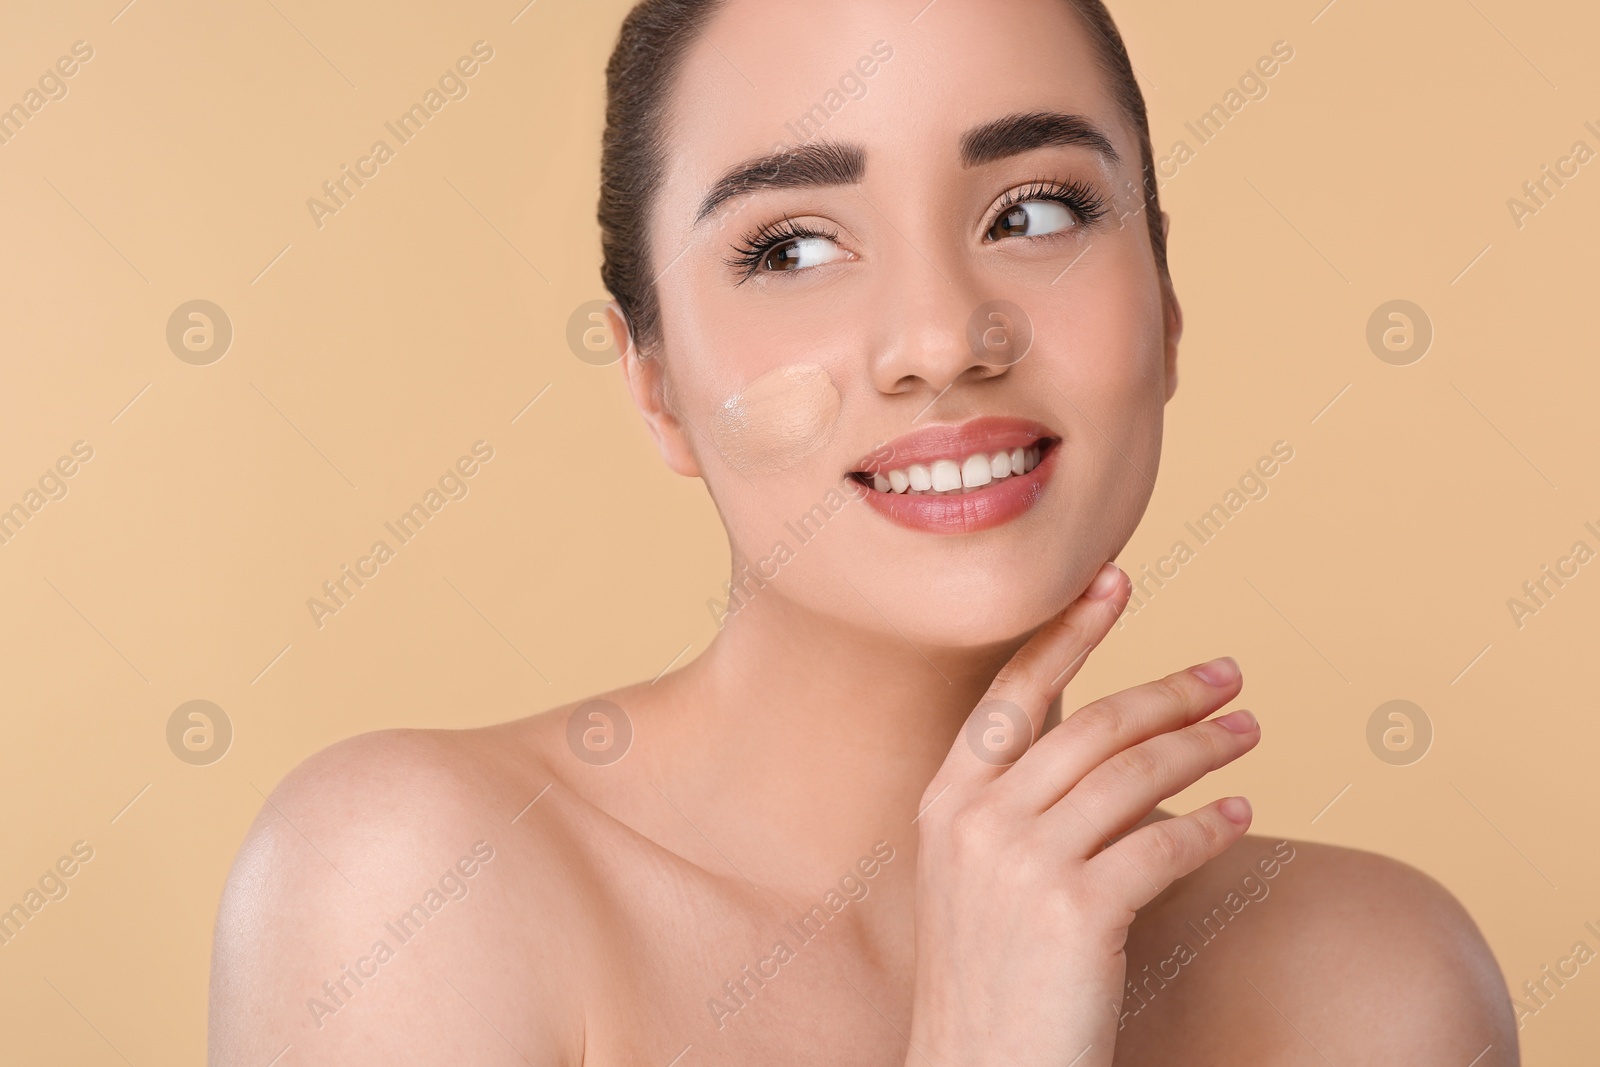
940, 328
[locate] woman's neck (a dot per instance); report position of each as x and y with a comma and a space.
805, 741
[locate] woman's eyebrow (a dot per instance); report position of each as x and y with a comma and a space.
815, 163
1025, 131
824, 163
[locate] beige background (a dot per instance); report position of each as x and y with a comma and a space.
427, 314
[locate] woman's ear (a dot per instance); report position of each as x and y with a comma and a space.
1173, 314
647, 384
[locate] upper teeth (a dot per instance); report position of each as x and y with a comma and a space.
951, 476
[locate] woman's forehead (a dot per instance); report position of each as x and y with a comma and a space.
766, 75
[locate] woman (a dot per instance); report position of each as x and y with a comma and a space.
891, 279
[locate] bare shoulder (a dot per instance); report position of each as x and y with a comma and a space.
1288, 951
354, 920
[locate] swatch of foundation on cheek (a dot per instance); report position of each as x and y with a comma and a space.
777, 420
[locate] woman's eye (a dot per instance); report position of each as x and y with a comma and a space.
800, 253
1033, 218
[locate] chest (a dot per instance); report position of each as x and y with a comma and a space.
682, 968
723, 976
707, 980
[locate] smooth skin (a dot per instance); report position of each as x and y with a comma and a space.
815, 755
608, 917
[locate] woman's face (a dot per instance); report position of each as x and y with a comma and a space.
861, 303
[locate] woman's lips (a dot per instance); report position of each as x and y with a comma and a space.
975, 463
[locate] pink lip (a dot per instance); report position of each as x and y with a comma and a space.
990, 433
982, 509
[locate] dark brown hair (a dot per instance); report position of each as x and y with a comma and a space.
639, 79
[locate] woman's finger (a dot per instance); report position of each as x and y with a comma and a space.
1138, 867
1125, 788
1098, 731
1008, 719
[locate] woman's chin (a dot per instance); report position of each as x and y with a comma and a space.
999, 631
967, 615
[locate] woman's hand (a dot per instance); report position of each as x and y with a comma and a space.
1023, 903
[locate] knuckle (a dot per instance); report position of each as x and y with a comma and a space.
1065, 626
1097, 723
1030, 868
1175, 690
1166, 847
1017, 673
1218, 746
1206, 834
1137, 764
971, 829
1080, 902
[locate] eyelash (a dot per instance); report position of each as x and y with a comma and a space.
754, 246
1082, 200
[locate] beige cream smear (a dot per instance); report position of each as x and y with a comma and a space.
777, 420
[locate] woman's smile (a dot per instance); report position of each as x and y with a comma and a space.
960, 478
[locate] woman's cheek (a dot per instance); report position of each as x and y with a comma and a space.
777, 420
758, 411
1112, 373
763, 443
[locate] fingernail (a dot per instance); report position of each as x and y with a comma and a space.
1105, 583
1219, 672
1236, 809
1240, 722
